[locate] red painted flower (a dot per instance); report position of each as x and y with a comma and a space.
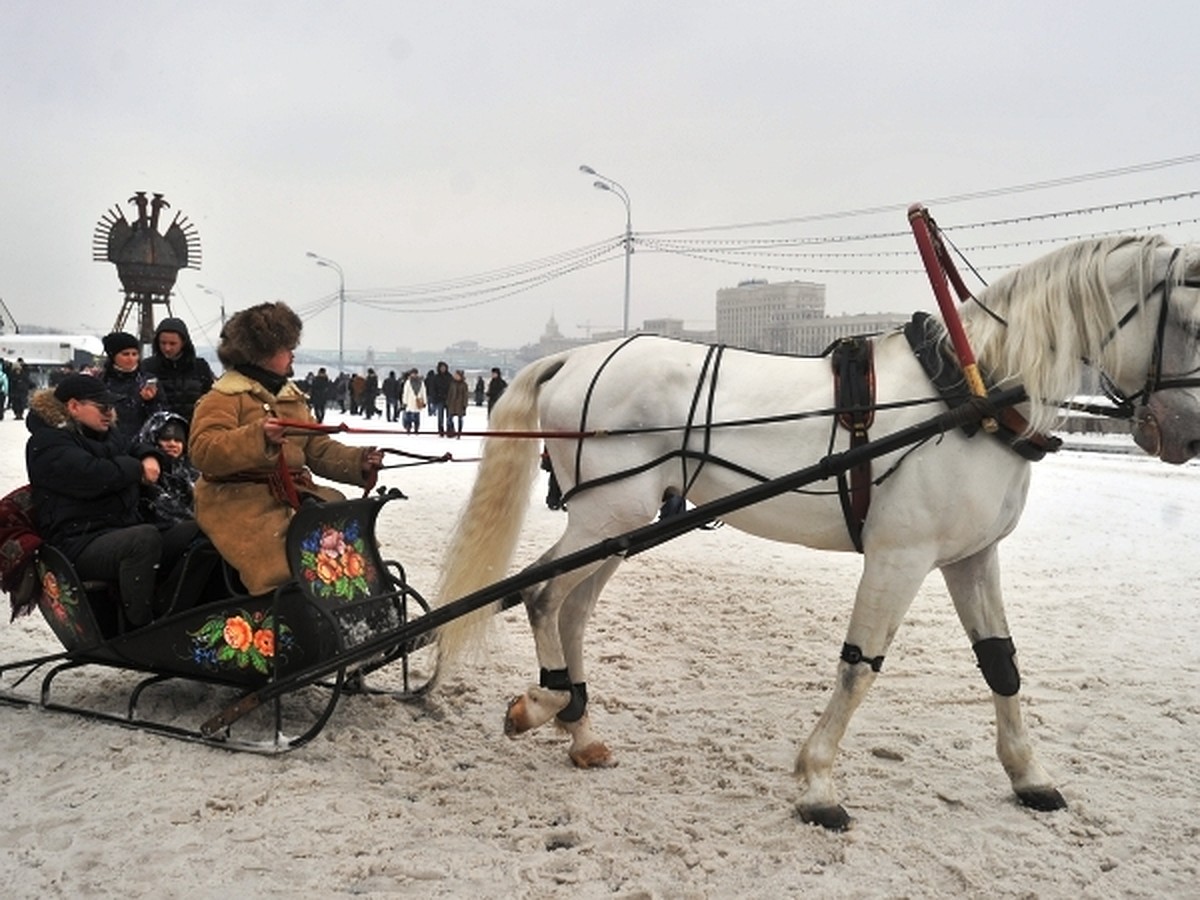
328, 570
354, 562
238, 633
264, 641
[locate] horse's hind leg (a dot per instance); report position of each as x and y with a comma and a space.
974, 584
558, 613
587, 751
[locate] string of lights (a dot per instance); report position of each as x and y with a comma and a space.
830, 254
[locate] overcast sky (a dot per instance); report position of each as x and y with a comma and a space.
432, 149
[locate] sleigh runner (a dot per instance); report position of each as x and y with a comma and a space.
343, 595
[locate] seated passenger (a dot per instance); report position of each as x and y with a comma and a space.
171, 499
245, 498
86, 478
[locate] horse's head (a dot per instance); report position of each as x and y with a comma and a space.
1166, 420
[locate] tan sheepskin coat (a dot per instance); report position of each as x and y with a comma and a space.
244, 521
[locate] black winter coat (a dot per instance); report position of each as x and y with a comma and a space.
84, 483
438, 387
184, 379
132, 410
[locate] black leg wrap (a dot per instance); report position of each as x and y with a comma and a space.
996, 661
854, 655
559, 680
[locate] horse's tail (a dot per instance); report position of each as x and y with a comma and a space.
484, 539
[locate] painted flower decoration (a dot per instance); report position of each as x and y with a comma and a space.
61, 602
240, 639
334, 562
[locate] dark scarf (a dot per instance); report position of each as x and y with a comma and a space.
272, 382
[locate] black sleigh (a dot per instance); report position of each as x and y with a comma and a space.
303, 646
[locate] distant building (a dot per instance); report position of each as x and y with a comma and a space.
673, 328
789, 317
758, 315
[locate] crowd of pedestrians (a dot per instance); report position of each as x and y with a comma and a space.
439, 398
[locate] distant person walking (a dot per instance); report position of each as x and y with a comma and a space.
318, 397
19, 386
414, 401
437, 390
456, 404
495, 390
369, 393
391, 397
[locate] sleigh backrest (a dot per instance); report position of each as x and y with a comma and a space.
66, 601
335, 559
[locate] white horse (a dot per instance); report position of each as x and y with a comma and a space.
1126, 306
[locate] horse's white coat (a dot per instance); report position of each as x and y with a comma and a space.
946, 504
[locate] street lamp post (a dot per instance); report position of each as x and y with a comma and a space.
214, 292
329, 263
604, 183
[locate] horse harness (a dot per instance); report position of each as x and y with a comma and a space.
854, 395
852, 363
1155, 380
853, 360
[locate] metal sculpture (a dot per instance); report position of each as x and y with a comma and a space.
147, 262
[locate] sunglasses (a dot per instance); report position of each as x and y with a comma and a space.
104, 408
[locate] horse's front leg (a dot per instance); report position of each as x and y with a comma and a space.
974, 584
884, 595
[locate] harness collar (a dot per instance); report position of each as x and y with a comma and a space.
929, 344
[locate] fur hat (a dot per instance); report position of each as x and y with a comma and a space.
258, 333
117, 341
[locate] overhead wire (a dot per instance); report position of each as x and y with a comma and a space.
770, 253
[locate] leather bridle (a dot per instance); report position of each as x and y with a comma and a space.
1155, 379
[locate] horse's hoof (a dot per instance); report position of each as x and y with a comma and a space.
831, 818
515, 719
594, 756
1042, 799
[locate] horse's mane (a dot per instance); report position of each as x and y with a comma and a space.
1057, 312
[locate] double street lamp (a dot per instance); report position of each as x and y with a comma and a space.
330, 264
604, 183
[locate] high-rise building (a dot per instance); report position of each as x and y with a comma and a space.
789, 317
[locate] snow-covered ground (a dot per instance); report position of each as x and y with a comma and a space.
711, 658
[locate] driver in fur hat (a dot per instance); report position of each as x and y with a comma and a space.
245, 497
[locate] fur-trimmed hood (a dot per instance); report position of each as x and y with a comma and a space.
49, 409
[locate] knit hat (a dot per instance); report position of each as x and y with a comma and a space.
117, 341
